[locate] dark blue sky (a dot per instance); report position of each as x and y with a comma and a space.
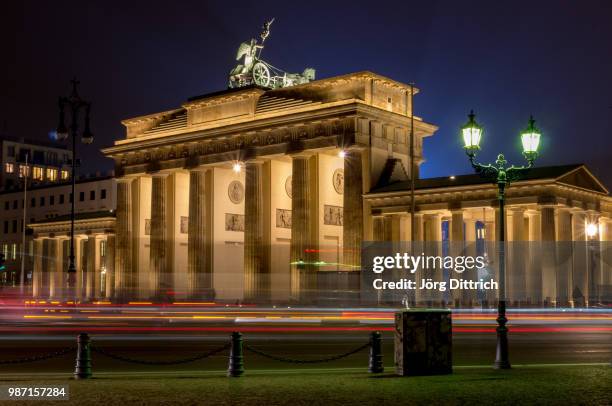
506, 60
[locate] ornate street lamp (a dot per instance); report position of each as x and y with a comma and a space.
502, 176
74, 103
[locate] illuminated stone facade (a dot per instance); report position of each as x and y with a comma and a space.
262, 195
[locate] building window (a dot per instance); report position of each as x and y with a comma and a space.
42, 201
103, 248
103, 194
14, 251
52, 174
92, 195
61, 199
65, 174
15, 204
6, 226
81, 196
51, 200
9, 167
24, 170
33, 202
38, 173
6, 205
39, 157
14, 226
10, 151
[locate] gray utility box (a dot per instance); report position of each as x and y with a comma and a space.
423, 342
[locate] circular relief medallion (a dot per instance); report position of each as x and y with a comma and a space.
338, 181
235, 191
288, 187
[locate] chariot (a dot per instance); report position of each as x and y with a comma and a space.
255, 71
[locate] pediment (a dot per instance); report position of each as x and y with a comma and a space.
581, 177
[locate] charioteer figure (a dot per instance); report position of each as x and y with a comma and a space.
254, 71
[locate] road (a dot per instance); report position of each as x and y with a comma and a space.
162, 333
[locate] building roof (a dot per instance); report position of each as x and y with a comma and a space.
34, 142
574, 174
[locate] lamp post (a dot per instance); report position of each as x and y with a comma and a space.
74, 104
502, 176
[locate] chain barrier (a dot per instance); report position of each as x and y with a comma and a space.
43, 357
308, 361
145, 362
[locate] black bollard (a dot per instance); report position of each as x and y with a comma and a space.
82, 368
376, 363
236, 364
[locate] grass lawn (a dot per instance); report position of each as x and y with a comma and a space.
557, 385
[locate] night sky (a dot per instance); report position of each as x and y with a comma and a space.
552, 59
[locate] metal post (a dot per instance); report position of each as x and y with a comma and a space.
376, 364
236, 358
82, 368
412, 168
501, 353
73, 134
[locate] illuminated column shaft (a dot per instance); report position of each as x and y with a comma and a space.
56, 269
93, 287
352, 230
580, 269
159, 246
548, 253
534, 259
457, 237
303, 220
48, 265
432, 247
110, 266
564, 260
124, 277
516, 259
470, 297
199, 244
37, 289
256, 248
378, 225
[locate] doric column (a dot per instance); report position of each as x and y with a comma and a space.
378, 225
37, 272
456, 247
256, 228
302, 227
124, 275
140, 212
55, 269
93, 287
457, 231
418, 225
48, 265
352, 230
548, 252
109, 260
534, 261
515, 274
432, 247
159, 244
199, 243
564, 261
580, 269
